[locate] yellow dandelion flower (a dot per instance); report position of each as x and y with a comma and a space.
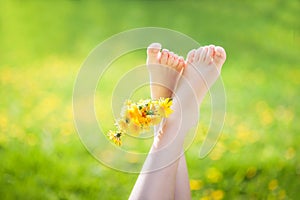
134, 113
165, 107
145, 121
115, 137
139, 117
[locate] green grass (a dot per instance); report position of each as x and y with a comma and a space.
43, 45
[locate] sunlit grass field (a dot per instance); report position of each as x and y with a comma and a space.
42, 47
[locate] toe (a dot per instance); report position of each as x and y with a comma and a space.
209, 54
170, 59
181, 64
198, 54
153, 52
153, 48
176, 61
220, 56
203, 54
191, 56
164, 57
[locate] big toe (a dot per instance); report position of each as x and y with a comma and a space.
153, 53
220, 56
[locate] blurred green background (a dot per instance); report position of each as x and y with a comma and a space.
44, 43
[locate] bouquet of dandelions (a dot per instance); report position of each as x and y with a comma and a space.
139, 117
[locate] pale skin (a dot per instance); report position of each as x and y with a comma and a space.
169, 59
167, 175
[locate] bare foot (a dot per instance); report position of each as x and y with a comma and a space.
204, 68
165, 68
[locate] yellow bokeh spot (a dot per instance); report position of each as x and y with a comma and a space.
282, 194
49, 103
67, 128
214, 175
217, 152
265, 113
196, 184
251, 172
290, 153
205, 198
235, 146
132, 158
245, 135
3, 129
68, 112
3, 123
6, 76
217, 195
273, 184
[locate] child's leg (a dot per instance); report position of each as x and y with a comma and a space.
154, 56
164, 68
182, 187
168, 59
